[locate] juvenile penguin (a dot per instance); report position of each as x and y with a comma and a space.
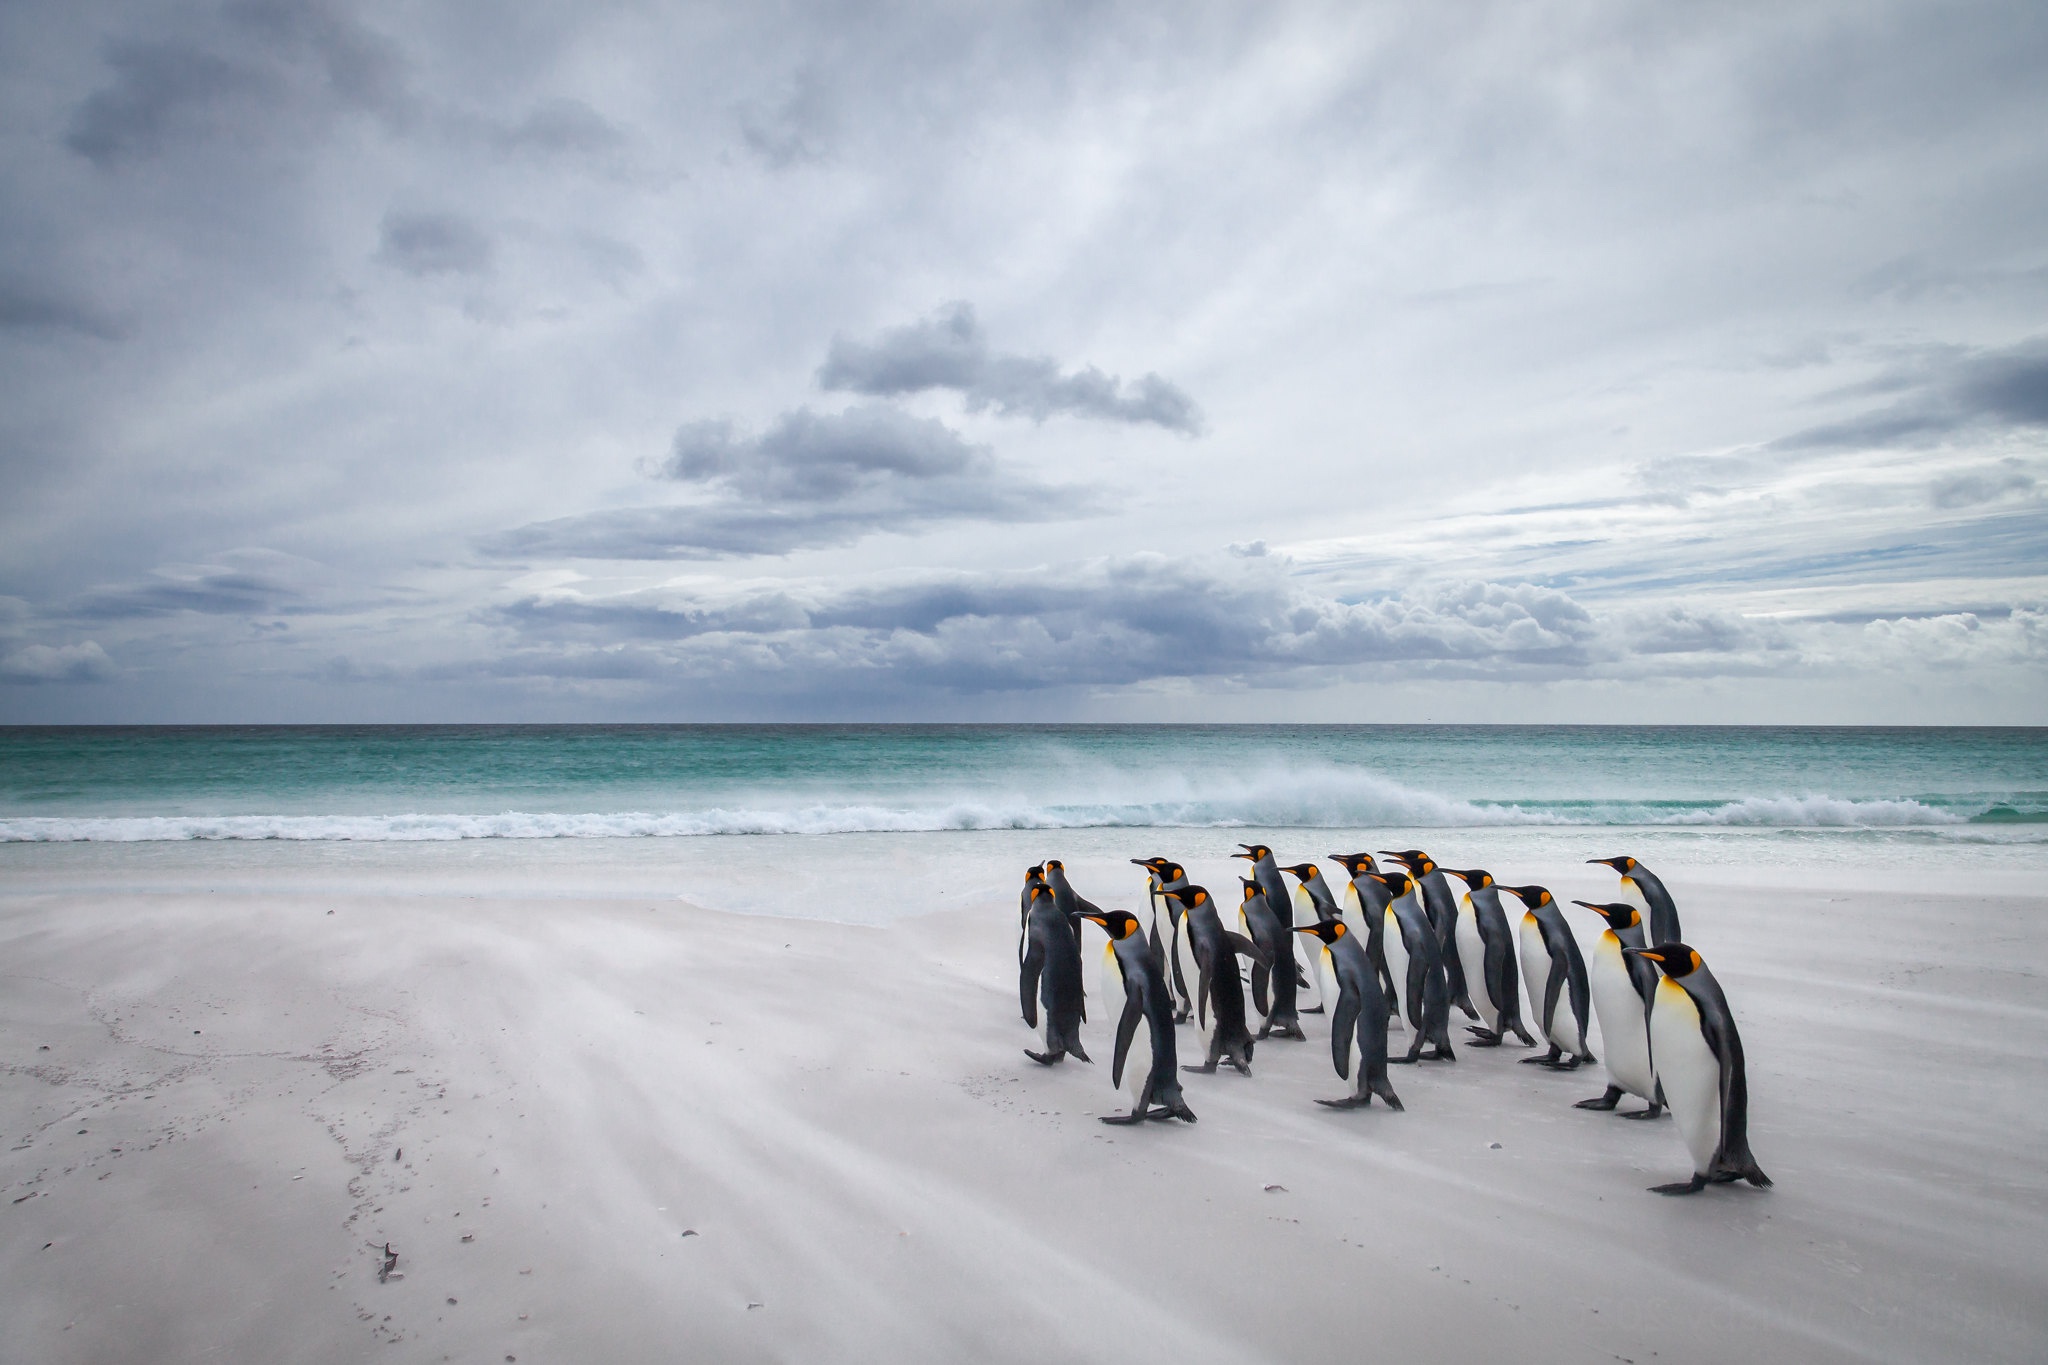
1284, 1018
1169, 927
1700, 1065
1312, 904
1358, 1013
1145, 1066
1255, 916
1418, 964
1443, 917
1556, 976
1486, 945
1050, 974
1641, 888
1363, 905
1623, 988
1219, 986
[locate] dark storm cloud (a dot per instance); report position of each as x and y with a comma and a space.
1111, 622
433, 244
1979, 390
811, 479
949, 351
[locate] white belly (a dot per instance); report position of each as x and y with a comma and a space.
1138, 1063
1396, 949
1472, 956
1633, 895
1110, 983
1689, 1071
1184, 953
1624, 1033
1351, 912
1536, 971
1312, 996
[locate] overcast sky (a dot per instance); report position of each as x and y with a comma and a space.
613, 361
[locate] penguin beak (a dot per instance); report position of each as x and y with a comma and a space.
1246, 856
1650, 953
1589, 905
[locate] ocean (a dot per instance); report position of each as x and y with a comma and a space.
851, 821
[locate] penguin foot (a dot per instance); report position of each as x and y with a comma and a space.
1122, 1120
1207, 1070
1483, 1038
1348, 1102
1442, 1054
1548, 1059
1173, 1111
1393, 1101
1655, 1111
1313, 1009
1045, 1058
1602, 1102
1692, 1186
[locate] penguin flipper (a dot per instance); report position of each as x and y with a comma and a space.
1552, 989
1244, 947
1343, 1032
1260, 978
1202, 1000
1027, 980
1126, 1029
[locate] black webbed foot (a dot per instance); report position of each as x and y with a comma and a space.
1655, 1111
1122, 1120
1045, 1058
1692, 1186
1313, 1009
1206, 1070
1602, 1102
1348, 1102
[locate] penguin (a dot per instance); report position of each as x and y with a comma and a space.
1219, 986
1363, 904
1051, 974
1700, 1065
1286, 976
1358, 1013
1641, 888
1623, 989
1556, 976
1255, 916
1145, 1066
1033, 876
1418, 965
1168, 927
1071, 904
1486, 945
1443, 917
1312, 903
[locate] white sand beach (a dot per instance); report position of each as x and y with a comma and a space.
599, 1120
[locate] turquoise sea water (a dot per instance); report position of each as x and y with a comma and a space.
389, 783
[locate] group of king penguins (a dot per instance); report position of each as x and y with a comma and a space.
1394, 950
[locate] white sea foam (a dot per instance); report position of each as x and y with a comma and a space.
1329, 800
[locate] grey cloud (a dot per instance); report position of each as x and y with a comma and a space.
159, 91
1984, 389
29, 308
949, 351
362, 68
85, 662
792, 131
250, 582
1107, 623
811, 479
1973, 487
562, 127
434, 244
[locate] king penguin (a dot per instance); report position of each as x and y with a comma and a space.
1313, 903
1255, 916
1358, 1013
1642, 889
1145, 1065
1050, 974
1623, 988
1417, 963
1169, 927
1034, 876
1363, 905
1556, 976
1486, 945
1287, 975
1443, 917
1700, 1065
1219, 986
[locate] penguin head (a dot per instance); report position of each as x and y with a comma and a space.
1675, 958
1355, 864
1415, 860
1188, 896
1328, 930
1034, 873
1055, 865
1474, 877
1531, 896
1251, 888
1618, 915
1303, 871
1623, 864
1119, 924
1397, 883
1253, 852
